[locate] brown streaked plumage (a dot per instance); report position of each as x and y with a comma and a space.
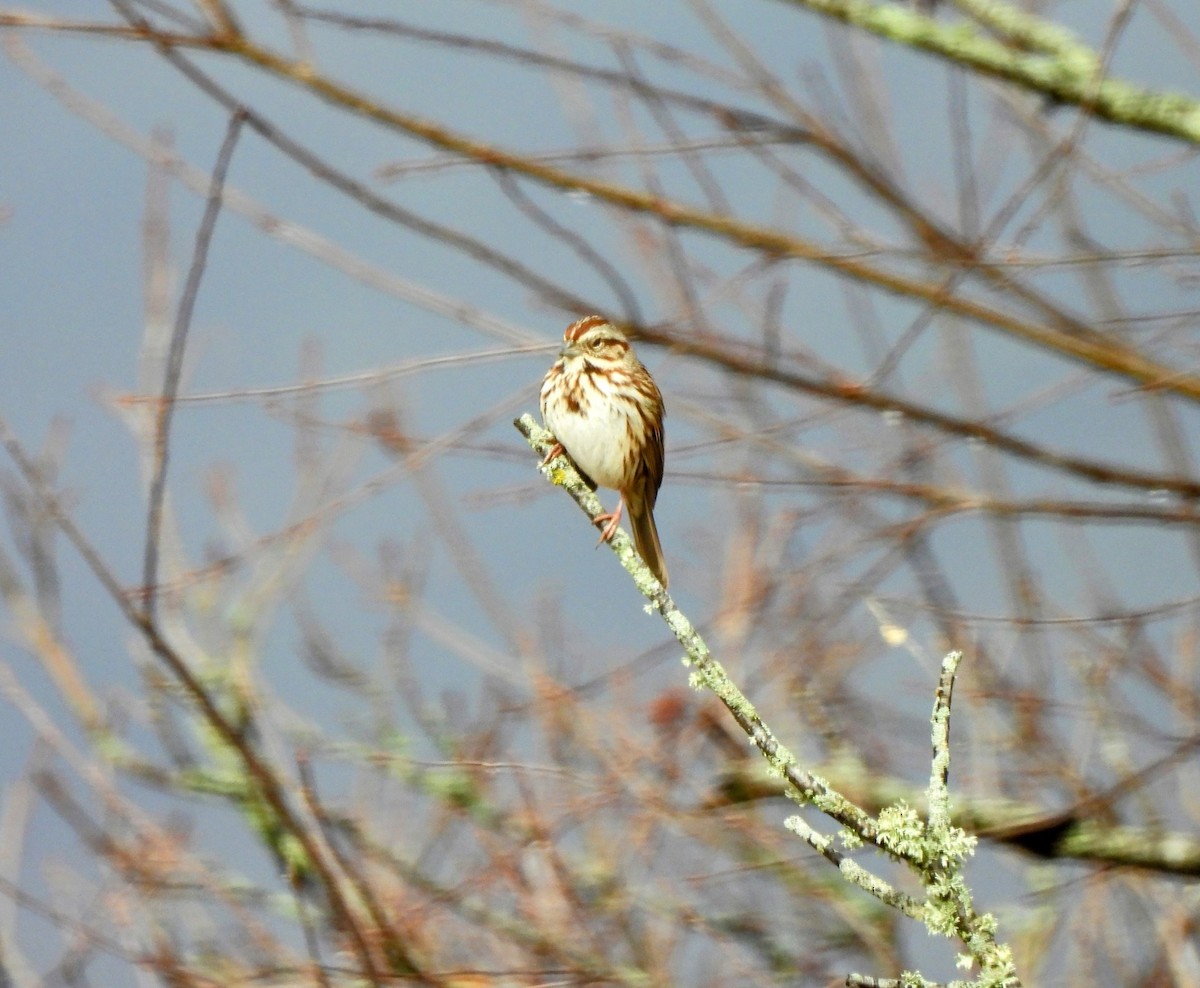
607, 413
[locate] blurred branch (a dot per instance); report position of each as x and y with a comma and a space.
1079, 343
286, 230
745, 361
1060, 67
219, 17
62, 25
174, 364
740, 361
1067, 337
574, 241
42, 639
1071, 834
752, 130
259, 771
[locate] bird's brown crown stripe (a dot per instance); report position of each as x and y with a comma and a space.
581, 326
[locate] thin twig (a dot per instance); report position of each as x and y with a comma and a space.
174, 368
575, 242
261, 772
853, 872
939, 793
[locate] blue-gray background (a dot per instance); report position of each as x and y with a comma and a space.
72, 322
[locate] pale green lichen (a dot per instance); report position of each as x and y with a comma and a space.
794, 794
987, 924
954, 846
783, 759
902, 831
824, 798
1032, 31
882, 890
1055, 63
942, 906
1000, 968
798, 826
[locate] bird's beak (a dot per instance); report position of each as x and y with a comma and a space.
569, 349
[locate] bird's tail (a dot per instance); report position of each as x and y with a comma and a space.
645, 539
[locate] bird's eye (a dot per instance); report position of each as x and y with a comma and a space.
595, 345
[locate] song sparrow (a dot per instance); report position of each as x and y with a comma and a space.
607, 413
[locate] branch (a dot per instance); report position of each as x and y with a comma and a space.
801, 787
258, 769
174, 363
1076, 342
935, 850
1076, 833
1061, 67
1062, 334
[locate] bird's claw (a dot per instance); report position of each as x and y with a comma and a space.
555, 451
612, 520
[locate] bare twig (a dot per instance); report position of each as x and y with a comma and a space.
174, 363
260, 772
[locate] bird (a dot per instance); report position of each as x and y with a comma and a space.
607, 414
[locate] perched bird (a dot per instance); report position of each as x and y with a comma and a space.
607, 413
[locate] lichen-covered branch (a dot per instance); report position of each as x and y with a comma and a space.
853, 872
1060, 67
935, 849
1066, 834
939, 779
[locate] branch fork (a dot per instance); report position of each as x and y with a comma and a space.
934, 849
